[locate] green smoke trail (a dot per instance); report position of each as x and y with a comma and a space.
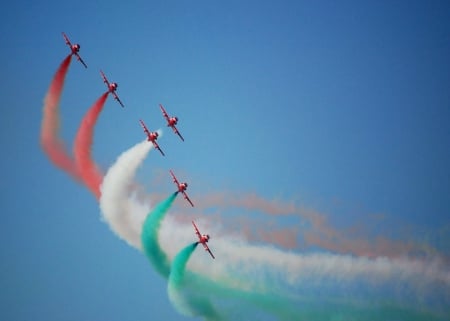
160, 261
196, 295
196, 301
149, 236
192, 304
179, 264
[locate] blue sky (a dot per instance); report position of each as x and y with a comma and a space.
341, 107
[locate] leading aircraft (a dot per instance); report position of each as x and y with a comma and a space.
203, 239
171, 121
151, 137
181, 188
112, 87
74, 48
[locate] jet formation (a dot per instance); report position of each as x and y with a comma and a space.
171, 121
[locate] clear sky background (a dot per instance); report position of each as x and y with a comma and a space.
341, 107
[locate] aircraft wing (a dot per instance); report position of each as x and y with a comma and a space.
158, 148
197, 232
208, 250
67, 40
118, 99
187, 198
174, 178
175, 130
104, 79
144, 127
164, 112
80, 60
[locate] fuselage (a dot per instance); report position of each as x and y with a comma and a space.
173, 121
153, 136
204, 238
112, 87
75, 48
182, 187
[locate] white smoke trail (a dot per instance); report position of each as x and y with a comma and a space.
266, 269
119, 206
263, 268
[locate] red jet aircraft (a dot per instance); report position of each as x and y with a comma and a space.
181, 188
74, 48
171, 121
152, 137
203, 239
112, 87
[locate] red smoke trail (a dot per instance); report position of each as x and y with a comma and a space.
83, 167
89, 171
51, 143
